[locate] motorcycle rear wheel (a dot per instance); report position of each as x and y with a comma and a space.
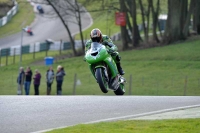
120, 90
103, 84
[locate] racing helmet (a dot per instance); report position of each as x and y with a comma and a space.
96, 35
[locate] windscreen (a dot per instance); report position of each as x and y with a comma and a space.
95, 46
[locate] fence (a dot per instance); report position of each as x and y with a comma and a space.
8, 55
9, 15
85, 84
175, 86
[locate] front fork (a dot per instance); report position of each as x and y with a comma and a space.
92, 69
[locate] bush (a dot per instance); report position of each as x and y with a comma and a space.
5, 6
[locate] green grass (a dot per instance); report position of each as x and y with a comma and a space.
155, 71
10, 60
25, 16
136, 126
5, 1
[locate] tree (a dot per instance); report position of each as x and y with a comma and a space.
187, 19
64, 10
123, 28
135, 32
64, 23
77, 9
196, 17
172, 29
145, 13
155, 18
178, 20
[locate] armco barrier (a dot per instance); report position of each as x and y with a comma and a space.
4, 20
5, 52
25, 49
35, 47
66, 45
44, 46
1, 22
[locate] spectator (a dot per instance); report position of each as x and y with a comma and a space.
49, 79
20, 80
36, 83
27, 83
59, 79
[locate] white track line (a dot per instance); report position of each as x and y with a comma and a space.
126, 117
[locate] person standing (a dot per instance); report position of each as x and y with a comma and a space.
36, 83
20, 80
28, 79
49, 79
59, 79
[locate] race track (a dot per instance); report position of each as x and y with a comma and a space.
47, 27
24, 114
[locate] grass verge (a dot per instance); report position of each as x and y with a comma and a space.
137, 126
169, 70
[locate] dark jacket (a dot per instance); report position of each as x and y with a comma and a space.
29, 76
37, 79
20, 78
60, 75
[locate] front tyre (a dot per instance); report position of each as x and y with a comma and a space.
103, 84
120, 90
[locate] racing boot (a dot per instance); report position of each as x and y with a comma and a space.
120, 70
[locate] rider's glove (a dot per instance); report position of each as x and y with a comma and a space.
105, 43
110, 50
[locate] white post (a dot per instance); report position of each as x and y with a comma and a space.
21, 47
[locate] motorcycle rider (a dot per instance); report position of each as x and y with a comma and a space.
97, 36
28, 30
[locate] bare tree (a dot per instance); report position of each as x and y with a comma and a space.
135, 31
178, 20
187, 18
123, 28
65, 10
77, 10
155, 18
51, 2
196, 17
143, 12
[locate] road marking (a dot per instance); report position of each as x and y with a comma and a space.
125, 117
144, 114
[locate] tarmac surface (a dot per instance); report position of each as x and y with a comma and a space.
178, 114
25, 114
46, 27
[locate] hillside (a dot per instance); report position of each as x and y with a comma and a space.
167, 70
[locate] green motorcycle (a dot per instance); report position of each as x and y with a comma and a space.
104, 69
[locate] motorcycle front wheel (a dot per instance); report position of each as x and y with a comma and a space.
103, 84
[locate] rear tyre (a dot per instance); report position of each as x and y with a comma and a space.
103, 84
120, 90
31, 33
